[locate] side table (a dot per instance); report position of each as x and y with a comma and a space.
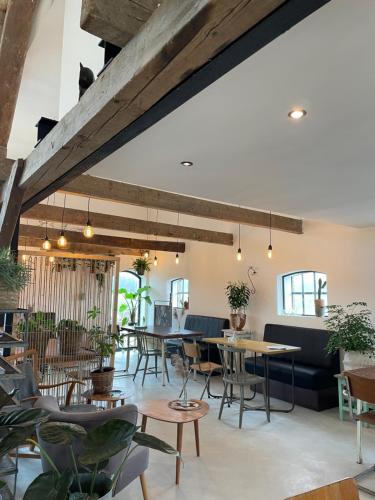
111, 398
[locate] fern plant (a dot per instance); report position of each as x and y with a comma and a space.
14, 276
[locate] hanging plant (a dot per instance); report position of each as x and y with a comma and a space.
141, 265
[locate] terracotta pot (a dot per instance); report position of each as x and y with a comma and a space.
8, 299
102, 381
320, 307
353, 360
238, 321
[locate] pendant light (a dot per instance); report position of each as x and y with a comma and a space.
51, 259
46, 242
239, 253
62, 241
155, 260
177, 260
269, 250
88, 231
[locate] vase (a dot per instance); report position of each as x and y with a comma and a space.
353, 360
133, 313
238, 321
320, 307
102, 381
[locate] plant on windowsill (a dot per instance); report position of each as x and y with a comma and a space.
14, 277
141, 265
132, 301
238, 296
104, 346
320, 308
351, 330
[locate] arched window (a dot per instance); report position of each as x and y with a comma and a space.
179, 292
131, 281
299, 291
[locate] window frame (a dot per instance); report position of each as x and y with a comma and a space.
302, 293
183, 293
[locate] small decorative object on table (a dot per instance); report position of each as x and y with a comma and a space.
320, 308
177, 404
182, 368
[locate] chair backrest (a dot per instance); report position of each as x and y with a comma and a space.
27, 387
233, 362
346, 489
362, 384
192, 350
146, 343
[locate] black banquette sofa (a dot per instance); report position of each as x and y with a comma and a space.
315, 385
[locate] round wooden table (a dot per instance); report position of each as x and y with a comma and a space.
158, 409
111, 398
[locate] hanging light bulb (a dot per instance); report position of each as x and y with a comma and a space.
46, 244
51, 259
146, 254
239, 254
62, 241
24, 257
88, 231
155, 261
269, 250
177, 258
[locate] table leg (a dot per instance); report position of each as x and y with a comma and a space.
267, 373
88, 401
163, 360
359, 433
180, 428
195, 361
122, 402
127, 354
144, 423
196, 431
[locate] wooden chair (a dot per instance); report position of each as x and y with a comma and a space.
193, 351
361, 386
346, 489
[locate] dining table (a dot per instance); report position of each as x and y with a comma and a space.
164, 333
265, 350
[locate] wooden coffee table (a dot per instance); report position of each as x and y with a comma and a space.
111, 398
158, 409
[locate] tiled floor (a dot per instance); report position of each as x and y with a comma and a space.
293, 453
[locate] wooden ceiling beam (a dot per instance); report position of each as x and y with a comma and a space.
116, 21
121, 192
102, 240
13, 48
12, 202
178, 39
117, 223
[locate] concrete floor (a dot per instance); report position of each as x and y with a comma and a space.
294, 453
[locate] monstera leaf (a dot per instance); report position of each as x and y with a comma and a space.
106, 440
61, 432
153, 442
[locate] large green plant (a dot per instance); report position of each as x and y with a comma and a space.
132, 301
14, 276
86, 479
350, 328
238, 295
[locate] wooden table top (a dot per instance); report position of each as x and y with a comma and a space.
367, 372
258, 346
158, 409
162, 332
114, 395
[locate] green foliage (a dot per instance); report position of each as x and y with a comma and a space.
39, 322
70, 326
62, 433
14, 276
321, 286
238, 295
132, 301
140, 265
350, 328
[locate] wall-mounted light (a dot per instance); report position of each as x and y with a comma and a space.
88, 231
269, 249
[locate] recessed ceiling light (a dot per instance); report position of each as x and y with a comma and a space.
297, 114
187, 163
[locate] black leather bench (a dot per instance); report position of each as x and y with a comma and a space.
315, 385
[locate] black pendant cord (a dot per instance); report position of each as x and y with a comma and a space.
178, 239
270, 228
88, 211
47, 221
239, 235
63, 213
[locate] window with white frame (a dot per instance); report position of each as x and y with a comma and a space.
299, 291
179, 292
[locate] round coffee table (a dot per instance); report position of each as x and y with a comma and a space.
158, 409
110, 398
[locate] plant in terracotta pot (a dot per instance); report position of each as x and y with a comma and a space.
14, 277
131, 301
140, 265
238, 296
351, 330
319, 302
104, 346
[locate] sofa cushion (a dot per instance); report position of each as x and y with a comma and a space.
208, 325
312, 342
305, 376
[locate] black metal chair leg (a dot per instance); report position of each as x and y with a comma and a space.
138, 365
156, 366
223, 399
145, 369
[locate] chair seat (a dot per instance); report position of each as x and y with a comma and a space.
206, 366
243, 379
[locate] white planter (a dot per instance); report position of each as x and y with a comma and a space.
353, 360
320, 307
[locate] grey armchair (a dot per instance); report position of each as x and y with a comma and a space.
137, 462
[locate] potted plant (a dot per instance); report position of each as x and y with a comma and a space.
132, 301
14, 277
319, 302
69, 334
38, 330
104, 346
351, 330
238, 296
140, 265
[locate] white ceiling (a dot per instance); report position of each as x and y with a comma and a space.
247, 151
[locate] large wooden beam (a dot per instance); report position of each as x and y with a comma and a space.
13, 48
117, 223
102, 239
12, 201
106, 189
116, 21
180, 37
